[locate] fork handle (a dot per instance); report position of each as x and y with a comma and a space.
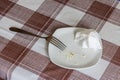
14, 29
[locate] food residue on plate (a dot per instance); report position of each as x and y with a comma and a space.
70, 55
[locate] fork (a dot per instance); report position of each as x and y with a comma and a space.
53, 40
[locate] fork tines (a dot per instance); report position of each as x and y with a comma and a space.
58, 43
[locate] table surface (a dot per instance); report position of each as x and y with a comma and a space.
24, 57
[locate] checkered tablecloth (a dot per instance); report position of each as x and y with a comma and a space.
24, 57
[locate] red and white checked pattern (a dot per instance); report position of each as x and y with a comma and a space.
24, 57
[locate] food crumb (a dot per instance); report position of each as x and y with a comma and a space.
70, 55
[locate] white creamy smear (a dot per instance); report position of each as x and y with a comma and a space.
88, 38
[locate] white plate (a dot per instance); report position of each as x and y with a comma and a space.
82, 58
